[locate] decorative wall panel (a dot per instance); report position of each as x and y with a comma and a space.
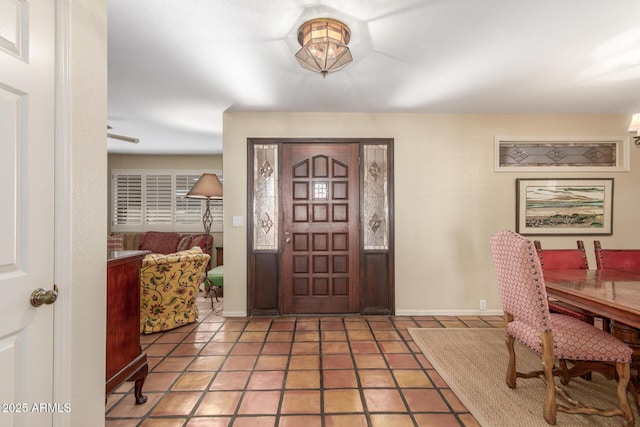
376, 206
531, 155
265, 204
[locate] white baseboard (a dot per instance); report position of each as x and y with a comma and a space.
226, 313
449, 313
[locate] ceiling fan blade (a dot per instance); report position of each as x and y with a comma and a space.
123, 138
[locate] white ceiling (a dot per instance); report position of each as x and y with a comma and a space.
176, 66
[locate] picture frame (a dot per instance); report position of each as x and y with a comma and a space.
564, 206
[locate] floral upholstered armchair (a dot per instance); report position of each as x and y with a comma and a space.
168, 289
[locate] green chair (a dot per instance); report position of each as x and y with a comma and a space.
215, 280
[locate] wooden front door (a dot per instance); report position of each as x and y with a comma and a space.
320, 238
319, 232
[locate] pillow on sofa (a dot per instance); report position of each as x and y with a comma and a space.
160, 242
114, 242
131, 241
185, 242
201, 240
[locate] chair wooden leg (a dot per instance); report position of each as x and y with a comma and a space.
511, 368
548, 363
634, 390
564, 372
624, 375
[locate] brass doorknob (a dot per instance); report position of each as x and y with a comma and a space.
41, 296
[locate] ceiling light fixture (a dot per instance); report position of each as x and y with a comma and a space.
634, 126
324, 45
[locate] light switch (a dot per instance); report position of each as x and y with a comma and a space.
238, 221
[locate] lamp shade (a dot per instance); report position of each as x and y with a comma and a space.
207, 187
634, 126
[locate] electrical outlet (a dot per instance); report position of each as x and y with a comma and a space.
483, 304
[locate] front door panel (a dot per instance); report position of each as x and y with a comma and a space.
320, 241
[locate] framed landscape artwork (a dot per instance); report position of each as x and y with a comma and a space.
564, 206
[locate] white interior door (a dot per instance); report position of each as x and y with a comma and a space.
27, 72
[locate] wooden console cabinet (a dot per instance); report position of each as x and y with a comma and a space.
125, 359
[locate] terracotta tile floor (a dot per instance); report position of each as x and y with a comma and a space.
292, 371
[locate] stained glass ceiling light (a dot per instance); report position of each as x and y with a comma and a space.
324, 45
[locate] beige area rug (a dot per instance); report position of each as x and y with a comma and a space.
473, 362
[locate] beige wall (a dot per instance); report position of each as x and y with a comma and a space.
129, 161
448, 199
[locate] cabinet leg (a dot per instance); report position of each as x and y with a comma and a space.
139, 378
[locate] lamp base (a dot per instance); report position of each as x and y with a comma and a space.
208, 288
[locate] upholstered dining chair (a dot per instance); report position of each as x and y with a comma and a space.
555, 337
565, 259
616, 259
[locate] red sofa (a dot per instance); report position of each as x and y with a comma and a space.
159, 242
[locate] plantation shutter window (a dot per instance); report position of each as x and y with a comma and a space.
216, 209
145, 200
159, 199
188, 211
127, 199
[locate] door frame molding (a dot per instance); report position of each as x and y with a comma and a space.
264, 289
63, 213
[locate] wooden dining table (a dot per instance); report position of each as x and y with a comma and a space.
610, 294
613, 295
